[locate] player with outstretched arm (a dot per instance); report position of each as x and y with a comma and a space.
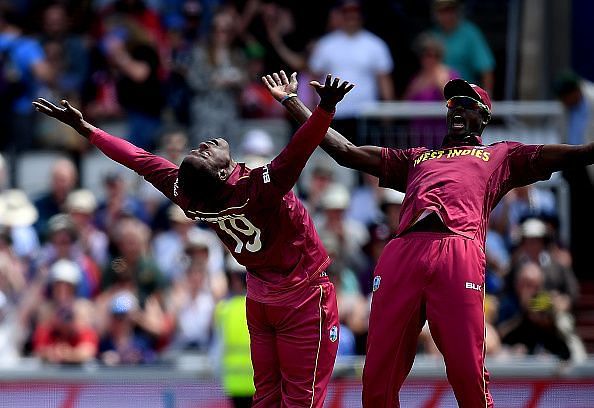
291, 305
434, 269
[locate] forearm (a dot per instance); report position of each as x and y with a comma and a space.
335, 144
386, 87
295, 60
555, 157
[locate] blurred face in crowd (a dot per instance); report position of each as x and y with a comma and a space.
352, 20
431, 56
222, 30
62, 241
63, 179
175, 146
533, 246
447, 17
195, 275
63, 293
55, 21
529, 282
198, 255
132, 239
571, 98
320, 180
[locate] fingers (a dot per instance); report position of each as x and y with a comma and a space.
284, 78
294, 77
41, 108
348, 88
316, 84
47, 104
277, 79
328, 80
335, 82
267, 79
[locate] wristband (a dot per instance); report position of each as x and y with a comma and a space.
287, 97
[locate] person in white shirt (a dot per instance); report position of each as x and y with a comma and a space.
355, 53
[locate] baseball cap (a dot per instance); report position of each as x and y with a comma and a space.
460, 87
198, 239
16, 210
65, 271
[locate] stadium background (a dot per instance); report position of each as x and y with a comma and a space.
167, 74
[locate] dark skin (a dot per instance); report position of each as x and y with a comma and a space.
554, 157
212, 158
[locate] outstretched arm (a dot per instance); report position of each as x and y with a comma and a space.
345, 153
555, 157
286, 167
156, 170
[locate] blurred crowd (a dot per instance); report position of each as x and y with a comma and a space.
120, 276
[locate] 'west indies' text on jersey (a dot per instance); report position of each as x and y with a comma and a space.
258, 218
461, 184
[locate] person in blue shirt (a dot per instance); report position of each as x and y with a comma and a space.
466, 50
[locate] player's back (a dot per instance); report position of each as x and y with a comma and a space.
270, 233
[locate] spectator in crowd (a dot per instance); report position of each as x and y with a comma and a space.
66, 338
233, 338
216, 75
192, 303
351, 234
535, 324
577, 96
427, 86
134, 269
23, 70
365, 200
19, 215
559, 279
11, 333
202, 248
81, 206
68, 49
322, 176
122, 344
391, 205
379, 235
183, 29
132, 54
353, 310
13, 272
355, 53
68, 57
63, 244
64, 177
118, 203
171, 245
466, 49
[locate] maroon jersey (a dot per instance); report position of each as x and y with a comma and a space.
258, 218
461, 184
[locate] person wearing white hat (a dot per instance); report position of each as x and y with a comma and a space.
257, 148
18, 214
81, 206
391, 205
65, 276
170, 245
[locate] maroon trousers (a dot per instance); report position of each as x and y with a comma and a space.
438, 277
294, 348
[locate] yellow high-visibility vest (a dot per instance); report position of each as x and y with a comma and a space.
237, 370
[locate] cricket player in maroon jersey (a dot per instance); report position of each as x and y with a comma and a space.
291, 306
434, 269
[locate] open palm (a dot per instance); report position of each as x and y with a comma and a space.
67, 114
279, 85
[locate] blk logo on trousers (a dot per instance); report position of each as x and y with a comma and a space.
376, 282
470, 285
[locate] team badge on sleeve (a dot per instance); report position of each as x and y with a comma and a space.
376, 282
333, 334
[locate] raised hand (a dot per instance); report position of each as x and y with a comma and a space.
66, 114
279, 85
331, 92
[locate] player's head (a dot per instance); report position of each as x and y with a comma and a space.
469, 112
205, 168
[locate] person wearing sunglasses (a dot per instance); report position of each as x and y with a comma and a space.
435, 267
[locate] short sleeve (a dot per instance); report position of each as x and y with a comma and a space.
523, 165
482, 57
383, 62
395, 165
